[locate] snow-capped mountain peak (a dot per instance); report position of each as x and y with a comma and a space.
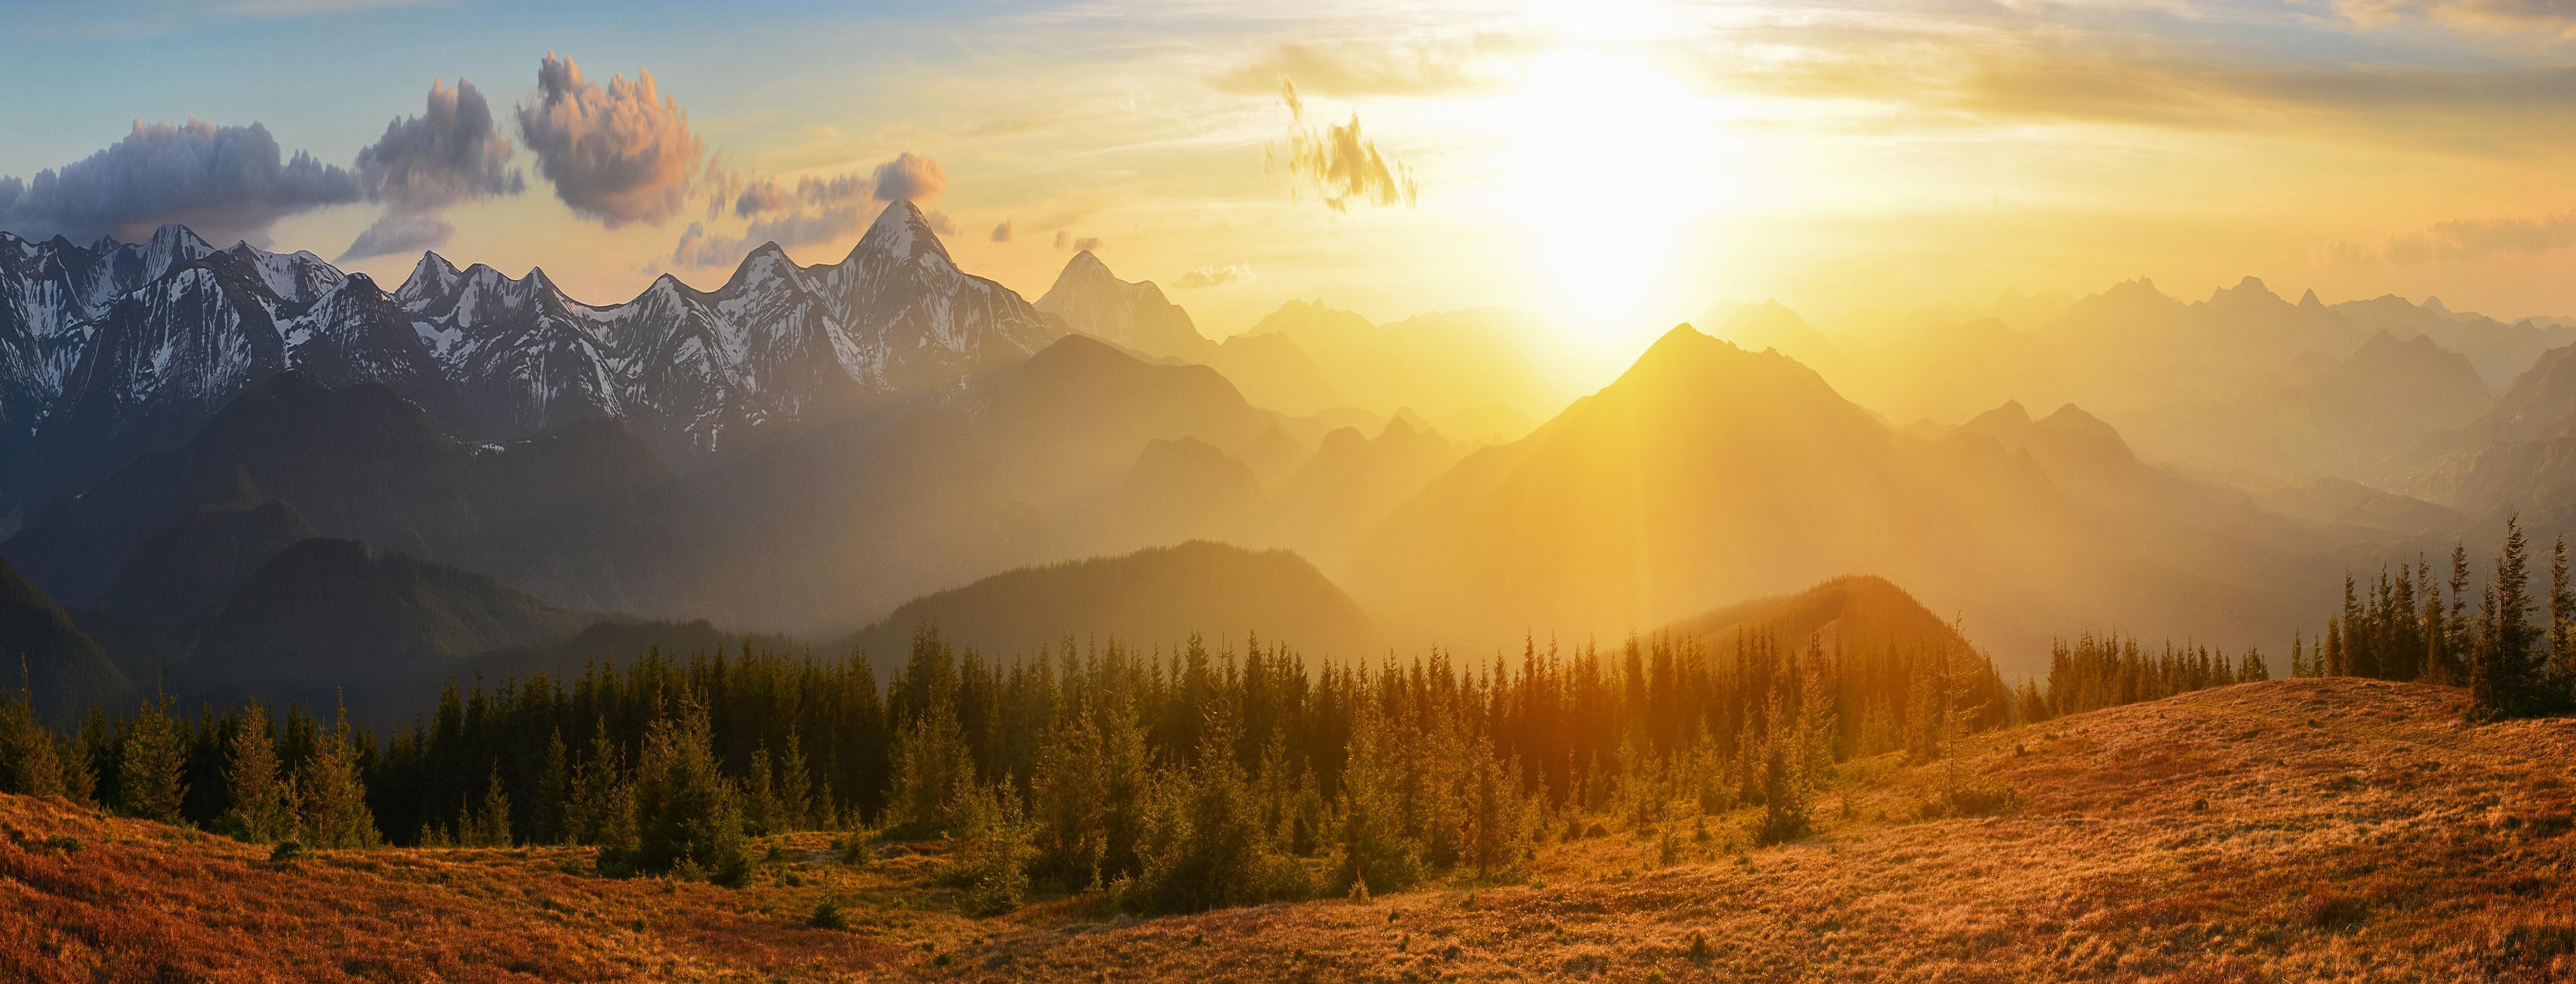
496, 356
901, 233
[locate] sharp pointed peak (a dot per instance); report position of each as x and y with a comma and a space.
2309, 299
173, 234
900, 231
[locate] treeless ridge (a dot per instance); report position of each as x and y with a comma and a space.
2294, 830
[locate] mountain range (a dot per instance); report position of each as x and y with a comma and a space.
234, 457
111, 350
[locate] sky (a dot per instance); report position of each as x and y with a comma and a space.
1615, 166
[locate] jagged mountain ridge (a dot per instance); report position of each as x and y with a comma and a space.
111, 350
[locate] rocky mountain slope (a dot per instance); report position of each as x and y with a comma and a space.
110, 350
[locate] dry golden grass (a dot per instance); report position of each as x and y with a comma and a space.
2287, 831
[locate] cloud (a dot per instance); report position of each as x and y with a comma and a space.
1066, 240
1062, 238
1358, 69
2052, 76
910, 178
766, 195
1337, 162
399, 232
2555, 18
225, 181
1087, 242
450, 154
1002, 233
618, 154
815, 209
1214, 276
2461, 239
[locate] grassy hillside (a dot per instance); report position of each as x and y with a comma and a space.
2291, 830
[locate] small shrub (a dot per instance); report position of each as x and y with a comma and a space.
2327, 909
828, 915
65, 843
1699, 952
285, 852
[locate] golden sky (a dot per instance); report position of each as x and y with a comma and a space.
1616, 166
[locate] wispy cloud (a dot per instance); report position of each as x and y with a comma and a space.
815, 209
2460, 239
1374, 69
1337, 162
1214, 276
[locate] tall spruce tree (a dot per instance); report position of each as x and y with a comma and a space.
686, 815
151, 781
263, 799
335, 811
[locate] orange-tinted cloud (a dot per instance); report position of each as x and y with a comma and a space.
617, 154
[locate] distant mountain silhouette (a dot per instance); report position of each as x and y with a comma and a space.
2518, 457
1152, 598
1856, 612
1709, 472
582, 514
173, 579
1437, 364
328, 619
63, 668
1135, 315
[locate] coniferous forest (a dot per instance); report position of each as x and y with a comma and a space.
1183, 780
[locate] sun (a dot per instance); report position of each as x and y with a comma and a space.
1615, 162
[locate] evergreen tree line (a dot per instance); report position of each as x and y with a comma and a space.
2410, 626
1171, 781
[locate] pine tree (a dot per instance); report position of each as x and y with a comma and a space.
686, 816
1796, 753
1065, 792
989, 858
793, 790
1374, 849
30, 759
2500, 681
489, 825
2562, 618
759, 802
335, 801
263, 801
150, 777
549, 822
601, 810
1500, 818
931, 766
